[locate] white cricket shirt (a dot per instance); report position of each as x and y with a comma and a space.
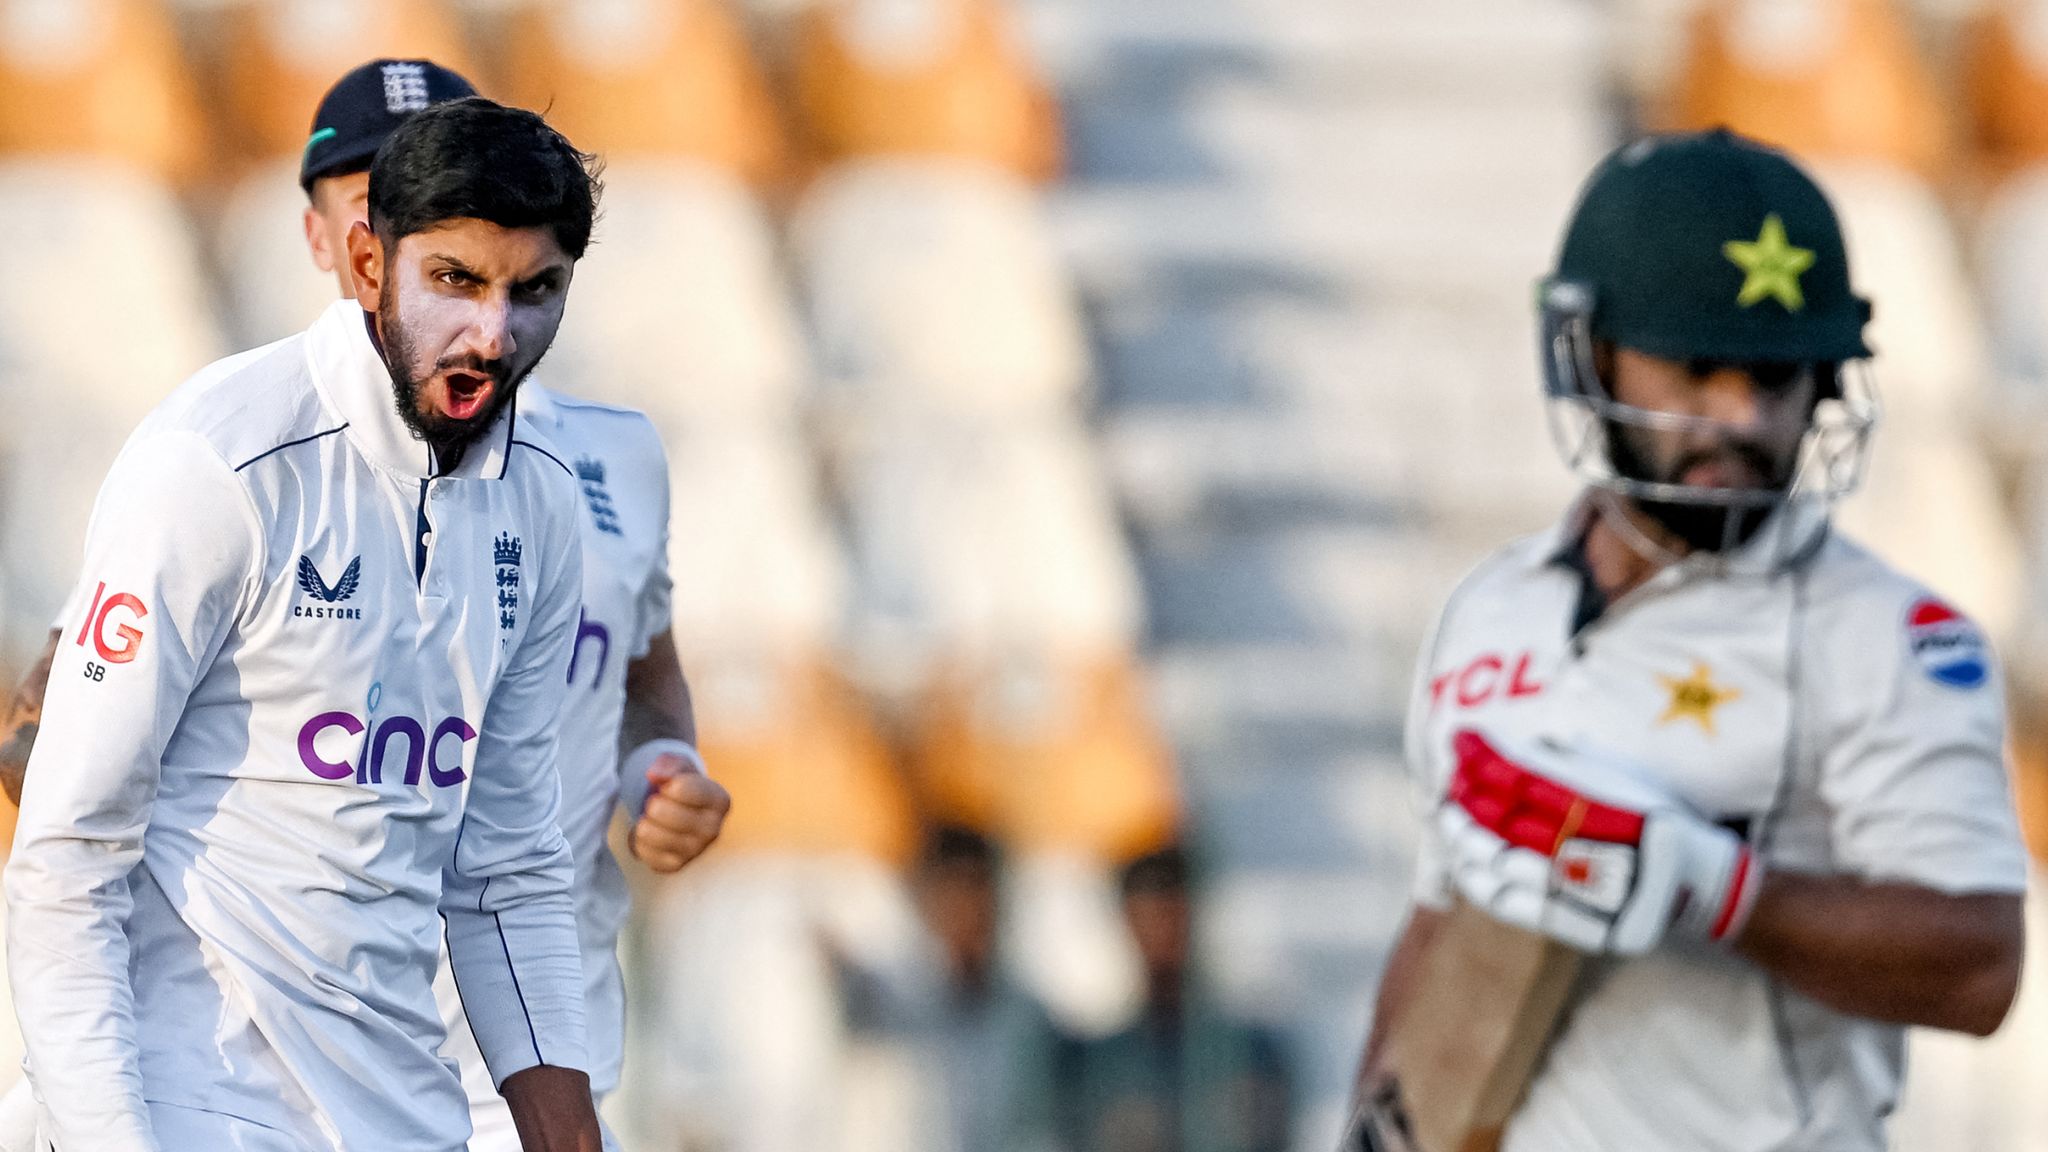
622, 513
1835, 713
308, 711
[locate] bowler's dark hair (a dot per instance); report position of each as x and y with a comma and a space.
474, 158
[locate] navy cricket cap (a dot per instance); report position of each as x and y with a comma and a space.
364, 107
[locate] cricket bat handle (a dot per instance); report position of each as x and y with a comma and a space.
1380, 1124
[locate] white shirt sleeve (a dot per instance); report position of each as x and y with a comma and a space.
654, 611
506, 894
174, 551
1427, 776
1913, 768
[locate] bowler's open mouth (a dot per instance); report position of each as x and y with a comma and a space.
468, 392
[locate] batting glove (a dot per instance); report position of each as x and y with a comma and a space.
1588, 853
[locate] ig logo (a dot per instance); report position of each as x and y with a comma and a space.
127, 638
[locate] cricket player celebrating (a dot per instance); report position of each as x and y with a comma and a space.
1753, 773
632, 707
627, 722
309, 710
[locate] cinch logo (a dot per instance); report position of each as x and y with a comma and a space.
1948, 647
127, 637
422, 751
316, 588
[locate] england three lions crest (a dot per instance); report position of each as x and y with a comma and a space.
505, 552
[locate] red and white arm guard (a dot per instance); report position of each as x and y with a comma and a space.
1589, 853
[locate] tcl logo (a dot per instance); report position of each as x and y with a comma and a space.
127, 638
1485, 678
422, 751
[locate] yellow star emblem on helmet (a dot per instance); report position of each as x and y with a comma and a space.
1770, 265
1695, 698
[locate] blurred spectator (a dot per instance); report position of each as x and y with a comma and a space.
989, 1048
1184, 1076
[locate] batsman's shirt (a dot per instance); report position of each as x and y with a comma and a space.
622, 513
1833, 712
309, 711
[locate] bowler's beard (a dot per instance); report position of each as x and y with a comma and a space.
449, 437
1703, 527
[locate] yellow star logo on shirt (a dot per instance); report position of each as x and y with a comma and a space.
1771, 266
1695, 698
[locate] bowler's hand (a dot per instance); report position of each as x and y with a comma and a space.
552, 1109
685, 812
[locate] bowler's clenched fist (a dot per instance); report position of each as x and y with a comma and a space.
684, 814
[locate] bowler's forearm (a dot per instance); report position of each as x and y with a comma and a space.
1893, 952
23, 720
658, 703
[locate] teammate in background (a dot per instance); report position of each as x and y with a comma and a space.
628, 702
1695, 733
301, 725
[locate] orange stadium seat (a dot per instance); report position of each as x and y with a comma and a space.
1049, 757
100, 78
1839, 79
808, 772
921, 77
668, 78
282, 56
2005, 71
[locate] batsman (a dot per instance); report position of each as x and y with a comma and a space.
1750, 774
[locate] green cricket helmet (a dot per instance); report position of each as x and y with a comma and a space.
1705, 247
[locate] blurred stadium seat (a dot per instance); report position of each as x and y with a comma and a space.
1931, 503
103, 78
105, 309
920, 78
755, 566
2012, 235
1826, 79
1049, 757
746, 1047
271, 284
2012, 232
749, 1049
808, 771
934, 285
672, 79
1648, 49
2004, 65
680, 307
974, 542
281, 56
999, 609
